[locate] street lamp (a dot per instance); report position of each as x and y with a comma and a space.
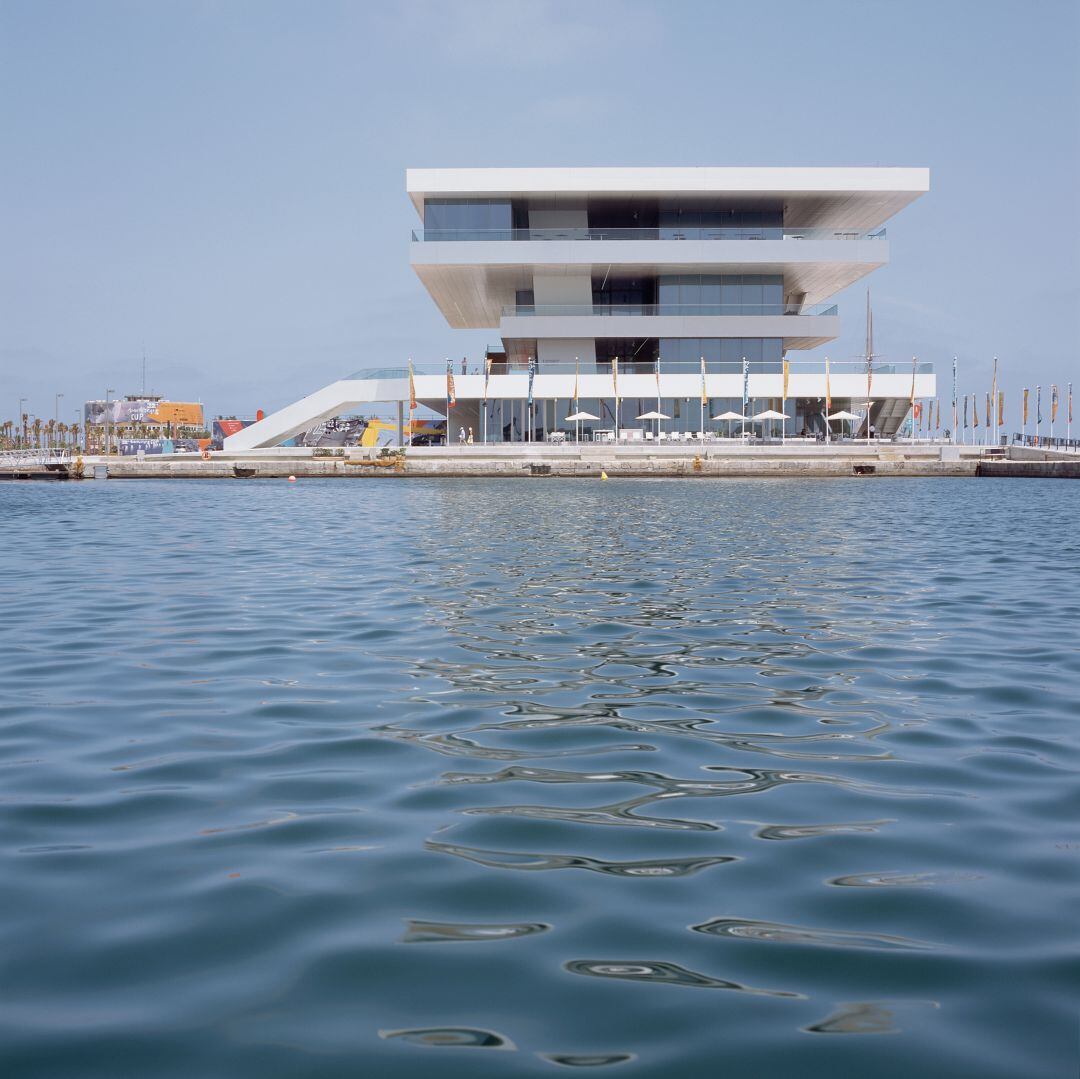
19, 420
108, 446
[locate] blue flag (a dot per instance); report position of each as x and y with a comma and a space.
532, 371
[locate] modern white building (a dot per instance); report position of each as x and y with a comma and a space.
686, 293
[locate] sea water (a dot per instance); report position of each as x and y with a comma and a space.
393, 778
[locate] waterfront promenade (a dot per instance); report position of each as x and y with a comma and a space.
588, 460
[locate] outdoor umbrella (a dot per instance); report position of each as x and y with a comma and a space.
578, 417
731, 417
844, 415
654, 415
772, 414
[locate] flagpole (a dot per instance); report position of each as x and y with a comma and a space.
828, 403
954, 417
745, 393
993, 400
783, 404
577, 391
615, 389
913, 366
702, 428
869, 360
411, 398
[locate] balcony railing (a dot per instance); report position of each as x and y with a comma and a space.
649, 367
661, 233
652, 310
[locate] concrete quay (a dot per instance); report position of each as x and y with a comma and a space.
585, 460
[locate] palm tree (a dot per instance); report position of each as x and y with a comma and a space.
75, 436
36, 428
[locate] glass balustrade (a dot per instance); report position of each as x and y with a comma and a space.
651, 310
648, 367
437, 235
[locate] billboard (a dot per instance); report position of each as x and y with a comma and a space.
143, 410
330, 433
221, 429
132, 447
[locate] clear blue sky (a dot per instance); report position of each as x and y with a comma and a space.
222, 183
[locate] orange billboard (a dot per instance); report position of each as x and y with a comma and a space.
184, 413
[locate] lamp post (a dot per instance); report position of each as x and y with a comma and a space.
56, 412
108, 447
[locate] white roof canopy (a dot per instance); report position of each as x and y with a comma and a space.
860, 198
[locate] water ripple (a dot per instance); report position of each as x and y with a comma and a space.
651, 868
451, 1037
280, 760
419, 932
792, 934
666, 974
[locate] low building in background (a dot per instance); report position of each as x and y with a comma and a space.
145, 423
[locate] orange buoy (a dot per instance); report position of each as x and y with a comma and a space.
292, 479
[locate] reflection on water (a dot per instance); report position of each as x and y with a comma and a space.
792, 934
666, 973
587, 1060
451, 1037
510, 860
280, 760
418, 932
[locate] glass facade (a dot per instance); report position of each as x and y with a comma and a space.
680, 217
764, 353
508, 419
629, 293
479, 218
731, 294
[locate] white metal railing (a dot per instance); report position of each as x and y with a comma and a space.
34, 456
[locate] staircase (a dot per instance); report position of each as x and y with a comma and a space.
886, 416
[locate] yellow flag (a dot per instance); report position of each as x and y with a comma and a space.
787, 371
704, 394
828, 391
412, 389
1001, 407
